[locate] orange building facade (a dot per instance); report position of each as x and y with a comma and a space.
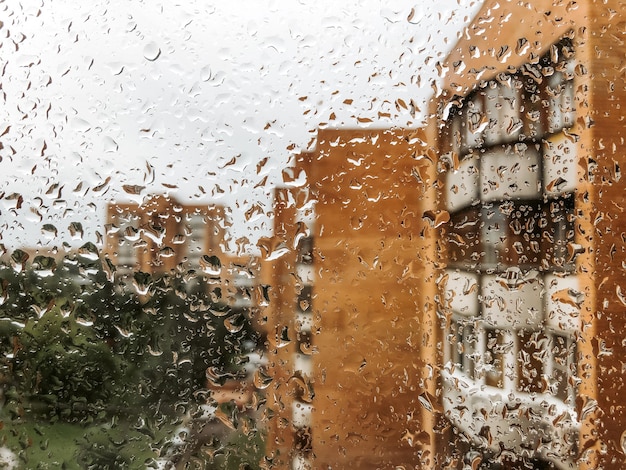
528, 130
352, 306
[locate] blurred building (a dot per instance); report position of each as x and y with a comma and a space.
288, 276
528, 129
161, 233
351, 306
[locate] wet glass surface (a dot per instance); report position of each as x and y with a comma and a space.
312, 235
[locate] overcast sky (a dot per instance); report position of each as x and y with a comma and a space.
186, 98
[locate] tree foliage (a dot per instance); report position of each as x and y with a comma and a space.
78, 346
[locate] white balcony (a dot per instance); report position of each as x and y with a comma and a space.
305, 272
509, 173
462, 292
303, 363
519, 306
495, 418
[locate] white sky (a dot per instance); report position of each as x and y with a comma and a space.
154, 93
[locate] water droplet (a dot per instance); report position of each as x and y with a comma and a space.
425, 401
166, 252
109, 144
620, 294
211, 265
294, 178
89, 251
570, 297
205, 73
235, 323
102, 185
154, 352
81, 125
125, 333
356, 223
18, 260
261, 379
44, 265
272, 252
151, 51
133, 189
304, 387
436, 219
42, 311
623, 442
282, 338
557, 184
476, 461
302, 231
88, 322
214, 376
76, 230
307, 348
142, 282
49, 230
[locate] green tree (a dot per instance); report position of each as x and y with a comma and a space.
80, 348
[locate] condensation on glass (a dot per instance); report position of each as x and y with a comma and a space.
312, 235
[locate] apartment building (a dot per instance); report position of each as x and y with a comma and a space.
162, 235
352, 306
287, 271
528, 128
159, 234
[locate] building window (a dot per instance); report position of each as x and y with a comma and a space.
563, 356
475, 122
304, 298
536, 100
509, 191
502, 103
531, 104
305, 250
526, 234
463, 347
128, 235
464, 242
494, 357
560, 97
304, 341
195, 232
532, 351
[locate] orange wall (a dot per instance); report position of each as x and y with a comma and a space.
374, 341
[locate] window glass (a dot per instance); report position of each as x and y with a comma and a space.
314, 234
532, 350
494, 358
